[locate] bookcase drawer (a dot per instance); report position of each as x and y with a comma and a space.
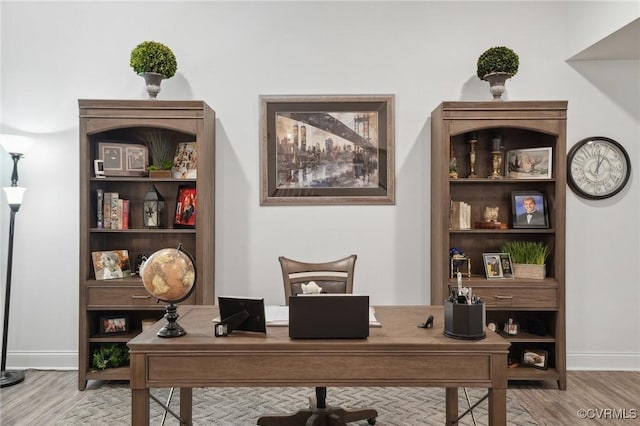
107, 295
510, 297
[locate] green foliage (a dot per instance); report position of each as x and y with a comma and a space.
528, 252
151, 56
498, 59
110, 356
161, 147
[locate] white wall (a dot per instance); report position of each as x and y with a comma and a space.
229, 54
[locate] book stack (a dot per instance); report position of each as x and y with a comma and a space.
460, 215
112, 211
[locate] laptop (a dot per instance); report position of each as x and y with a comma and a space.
329, 316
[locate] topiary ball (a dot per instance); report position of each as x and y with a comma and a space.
151, 56
498, 59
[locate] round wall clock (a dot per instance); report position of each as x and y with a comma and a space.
597, 168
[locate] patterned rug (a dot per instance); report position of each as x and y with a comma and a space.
110, 405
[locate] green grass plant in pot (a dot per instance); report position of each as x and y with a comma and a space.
528, 258
161, 149
154, 62
496, 65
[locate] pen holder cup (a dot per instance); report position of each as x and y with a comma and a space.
463, 321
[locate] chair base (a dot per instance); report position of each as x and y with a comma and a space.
330, 416
319, 414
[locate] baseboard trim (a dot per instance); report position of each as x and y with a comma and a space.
24, 360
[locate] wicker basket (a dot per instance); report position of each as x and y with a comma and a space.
523, 270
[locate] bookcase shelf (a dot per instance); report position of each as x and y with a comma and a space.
522, 125
122, 121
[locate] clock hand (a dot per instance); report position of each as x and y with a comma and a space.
601, 159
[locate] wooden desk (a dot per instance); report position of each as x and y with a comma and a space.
397, 354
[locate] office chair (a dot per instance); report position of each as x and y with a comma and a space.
333, 277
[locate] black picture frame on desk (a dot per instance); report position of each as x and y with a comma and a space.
534, 202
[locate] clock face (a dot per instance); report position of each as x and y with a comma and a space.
598, 168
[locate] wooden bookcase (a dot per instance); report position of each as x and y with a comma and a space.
531, 302
121, 121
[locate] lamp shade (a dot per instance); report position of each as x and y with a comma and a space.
14, 194
15, 144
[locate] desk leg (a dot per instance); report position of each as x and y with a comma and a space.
452, 406
140, 407
497, 407
186, 405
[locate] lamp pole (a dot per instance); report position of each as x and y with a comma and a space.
14, 196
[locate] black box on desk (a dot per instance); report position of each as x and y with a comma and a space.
464, 321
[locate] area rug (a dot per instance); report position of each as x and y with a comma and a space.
111, 405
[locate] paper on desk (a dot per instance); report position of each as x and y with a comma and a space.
278, 316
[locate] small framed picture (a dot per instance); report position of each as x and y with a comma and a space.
186, 201
185, 162
123, 159
529, 209
497, 266
536, 358
534, 163
98, 168
111, 264
115, 324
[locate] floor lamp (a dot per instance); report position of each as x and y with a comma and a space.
14, 195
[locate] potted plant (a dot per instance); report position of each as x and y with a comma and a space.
496, 65
154, 62
161, 149
528, 258
110, 356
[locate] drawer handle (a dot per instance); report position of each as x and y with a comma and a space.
500, 296
135, 296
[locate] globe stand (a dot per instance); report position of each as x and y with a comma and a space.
172, 329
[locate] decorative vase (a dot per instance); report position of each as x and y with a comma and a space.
523, 270
496, 83
153, 80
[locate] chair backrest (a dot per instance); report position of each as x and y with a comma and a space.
333, 277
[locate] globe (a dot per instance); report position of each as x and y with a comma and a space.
169, 275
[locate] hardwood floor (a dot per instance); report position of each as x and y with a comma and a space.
44, 397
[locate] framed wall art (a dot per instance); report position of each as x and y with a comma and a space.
186, 199
533, 163
322, 149
122, 159
529, 209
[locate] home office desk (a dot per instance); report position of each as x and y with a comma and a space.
396, 354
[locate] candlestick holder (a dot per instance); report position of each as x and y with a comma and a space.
496, 164
472, 158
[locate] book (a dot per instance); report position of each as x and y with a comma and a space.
99, 207
125, 214
106, 207
115, 211
185, 162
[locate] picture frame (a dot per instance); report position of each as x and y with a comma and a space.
327, 149
185, 162
535, 358
534, 203
98, 168
111, 264
531, 163
186, 207
123, 159
114, 324
497, 266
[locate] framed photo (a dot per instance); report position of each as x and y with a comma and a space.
111, 264
98, 168
529, 209
534, 163
186, 200
497, 266
536, 358
327, 150
122, 159
116, 324
185, 162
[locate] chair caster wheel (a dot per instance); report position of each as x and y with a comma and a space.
371, 421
